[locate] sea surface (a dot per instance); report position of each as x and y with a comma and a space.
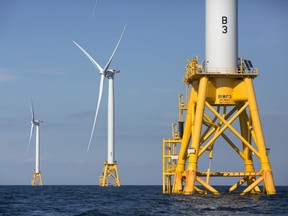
133, 200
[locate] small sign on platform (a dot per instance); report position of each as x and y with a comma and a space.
174, 157
191, 151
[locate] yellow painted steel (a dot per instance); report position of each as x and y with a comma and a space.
216, 101
169, 161
177, 185
36, 179
110, 171
193, 159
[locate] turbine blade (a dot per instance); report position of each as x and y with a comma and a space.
109, 62
96, 3
97, 109
89, 57
31, 132
32, 109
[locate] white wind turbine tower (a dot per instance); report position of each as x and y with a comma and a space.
37, 179
110, 166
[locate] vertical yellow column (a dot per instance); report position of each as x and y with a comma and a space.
117, 180
264, 160
196, 135
104, 175
248, 161
177, 185
164, 178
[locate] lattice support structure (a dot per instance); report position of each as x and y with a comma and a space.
169, 162
219, 105
37, 179
110, 175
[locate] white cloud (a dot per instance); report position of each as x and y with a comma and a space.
32, 159
52, 72
7, 75
84, 114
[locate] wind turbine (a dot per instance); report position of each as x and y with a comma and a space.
110, 166
37, 179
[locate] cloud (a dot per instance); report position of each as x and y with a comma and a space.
32, 159
7, 122
29, 160
72, 161
77, 115
47, 71
53, 72
7, 75
57, 125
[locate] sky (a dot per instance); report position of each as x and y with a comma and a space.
38, 60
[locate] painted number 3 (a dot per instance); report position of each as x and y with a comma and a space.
224, 25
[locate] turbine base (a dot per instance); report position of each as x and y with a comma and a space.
216, 104
37, 179
110, 175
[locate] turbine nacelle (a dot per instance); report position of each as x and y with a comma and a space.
114, 71
36, 122
110, 73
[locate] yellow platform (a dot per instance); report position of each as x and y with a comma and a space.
110, 175
216, 101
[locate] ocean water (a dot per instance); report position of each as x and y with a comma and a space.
133, 200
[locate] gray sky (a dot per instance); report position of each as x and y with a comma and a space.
38, 60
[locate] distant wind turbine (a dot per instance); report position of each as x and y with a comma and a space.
109, 74
37, 179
